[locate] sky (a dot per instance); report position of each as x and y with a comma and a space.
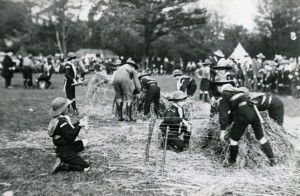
239, 12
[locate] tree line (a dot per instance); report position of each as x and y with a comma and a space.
145, 29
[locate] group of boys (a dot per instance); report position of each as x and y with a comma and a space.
127, 82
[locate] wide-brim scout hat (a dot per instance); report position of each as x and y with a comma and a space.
58, 105
222, 65
178, 95
177, 72
283, 62
219, 53
9, 54
278, 57
207, 62
70, 56
253, 95
222, 81
260, 56
143, 75
245, 90
132, 63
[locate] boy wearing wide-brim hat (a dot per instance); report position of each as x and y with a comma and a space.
151, 91
235, 102
71, 80
216, 94
64, 135
178, 124
185, 83
218, 58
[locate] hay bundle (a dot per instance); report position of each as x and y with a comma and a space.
97, 82
250, 155
139, 101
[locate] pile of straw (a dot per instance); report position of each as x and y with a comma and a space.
97, 82
250, 154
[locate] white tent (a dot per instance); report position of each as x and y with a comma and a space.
239, 52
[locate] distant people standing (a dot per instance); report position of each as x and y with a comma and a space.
8, 69
257, 64
203, 74
27, 72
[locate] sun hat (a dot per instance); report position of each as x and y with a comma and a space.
132, 63
254, 95
9, 53
118, 61
219, 53
70, 56
142, 75
222, 80
58, 105
178, 95
206, 62
229, 87
245, 90
222, 64
177, 72
261, 56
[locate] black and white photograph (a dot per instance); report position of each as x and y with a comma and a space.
150, 97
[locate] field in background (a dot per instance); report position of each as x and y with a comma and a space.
116, 153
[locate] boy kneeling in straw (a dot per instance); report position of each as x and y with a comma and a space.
64, 134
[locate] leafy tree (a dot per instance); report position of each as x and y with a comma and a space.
154, 19
15, 23
276, 20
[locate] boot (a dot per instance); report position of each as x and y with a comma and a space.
120, 112
25, 83
129, 113
200, 97
70, 167
186, 146
56, 166
233, 154
267, 149
206, 98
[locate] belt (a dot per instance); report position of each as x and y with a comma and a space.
242, 103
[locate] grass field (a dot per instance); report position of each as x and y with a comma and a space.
116, 152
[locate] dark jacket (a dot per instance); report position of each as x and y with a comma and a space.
64, 134
70, 73
146, 82
173, 120
230, 102
8, 64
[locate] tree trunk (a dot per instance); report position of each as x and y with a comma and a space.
63, 38
147, 43
58, 41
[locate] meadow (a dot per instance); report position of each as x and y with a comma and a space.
117, 151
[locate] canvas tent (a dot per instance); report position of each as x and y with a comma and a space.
239, 52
